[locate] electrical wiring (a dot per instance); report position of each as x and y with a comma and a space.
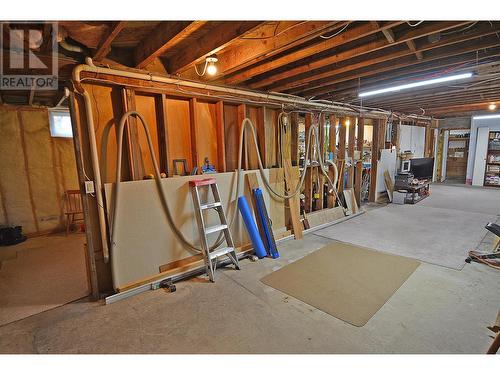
337, 33
462, 29
274, 33
415, 24
204, 69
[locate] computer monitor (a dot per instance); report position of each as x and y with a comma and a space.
422, 168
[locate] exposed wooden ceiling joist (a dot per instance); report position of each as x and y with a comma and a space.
304, 74
250, 50
326, 85
352, 32
347, 91
300, 74
209, 44
162, 38
105, 43
459, 109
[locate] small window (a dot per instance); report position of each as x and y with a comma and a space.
60, 123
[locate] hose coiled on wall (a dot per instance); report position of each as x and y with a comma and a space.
313, 131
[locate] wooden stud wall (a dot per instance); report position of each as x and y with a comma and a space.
341, 153
359, 163
192, 128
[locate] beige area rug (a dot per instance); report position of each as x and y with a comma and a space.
349, 282
48, 272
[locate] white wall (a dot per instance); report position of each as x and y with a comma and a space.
494, 125
387, 162
412, 138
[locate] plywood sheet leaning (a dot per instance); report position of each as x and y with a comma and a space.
291, 177
276, 206
350, 200
388, 184
325, 216
145, 243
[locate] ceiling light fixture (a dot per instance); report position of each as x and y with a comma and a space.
209, 67
415, 84
492, 107
485, 117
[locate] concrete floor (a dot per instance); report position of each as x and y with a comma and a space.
437, 310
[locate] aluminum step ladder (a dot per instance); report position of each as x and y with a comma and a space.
211, 257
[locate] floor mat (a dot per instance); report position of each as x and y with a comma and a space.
48, 272
347, 281
434, 235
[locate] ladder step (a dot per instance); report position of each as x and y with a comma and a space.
206, 206
222, 251
216, 228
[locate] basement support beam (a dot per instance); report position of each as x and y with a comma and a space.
412, 46
350, 150
162, 38
210, 43
341, 154
255, 50
105, 43
350, 34
358, 177
372, 194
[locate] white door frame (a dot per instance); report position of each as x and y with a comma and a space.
480, 156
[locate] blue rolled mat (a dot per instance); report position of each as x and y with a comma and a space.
270, 243
258, 246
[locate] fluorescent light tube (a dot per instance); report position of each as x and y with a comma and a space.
485, 117
415, 84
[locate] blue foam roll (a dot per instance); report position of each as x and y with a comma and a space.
258, 246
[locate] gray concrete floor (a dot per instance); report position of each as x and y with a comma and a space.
437, 310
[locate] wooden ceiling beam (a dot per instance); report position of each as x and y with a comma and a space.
438, 92
424, 102
461, 108
349, 90
388, 33
352, 33
444, 104
215, 40
255, 49
411, 45
325, 85
105, 43
162, 38
277, 81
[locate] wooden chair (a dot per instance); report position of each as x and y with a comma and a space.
73, 206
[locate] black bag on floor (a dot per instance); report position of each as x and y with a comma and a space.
11, 236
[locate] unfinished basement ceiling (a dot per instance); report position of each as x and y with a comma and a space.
320, 60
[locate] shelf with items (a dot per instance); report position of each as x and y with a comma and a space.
492, 169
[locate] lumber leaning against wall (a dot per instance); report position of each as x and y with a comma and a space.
35, 171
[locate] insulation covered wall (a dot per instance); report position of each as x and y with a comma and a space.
35, 170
